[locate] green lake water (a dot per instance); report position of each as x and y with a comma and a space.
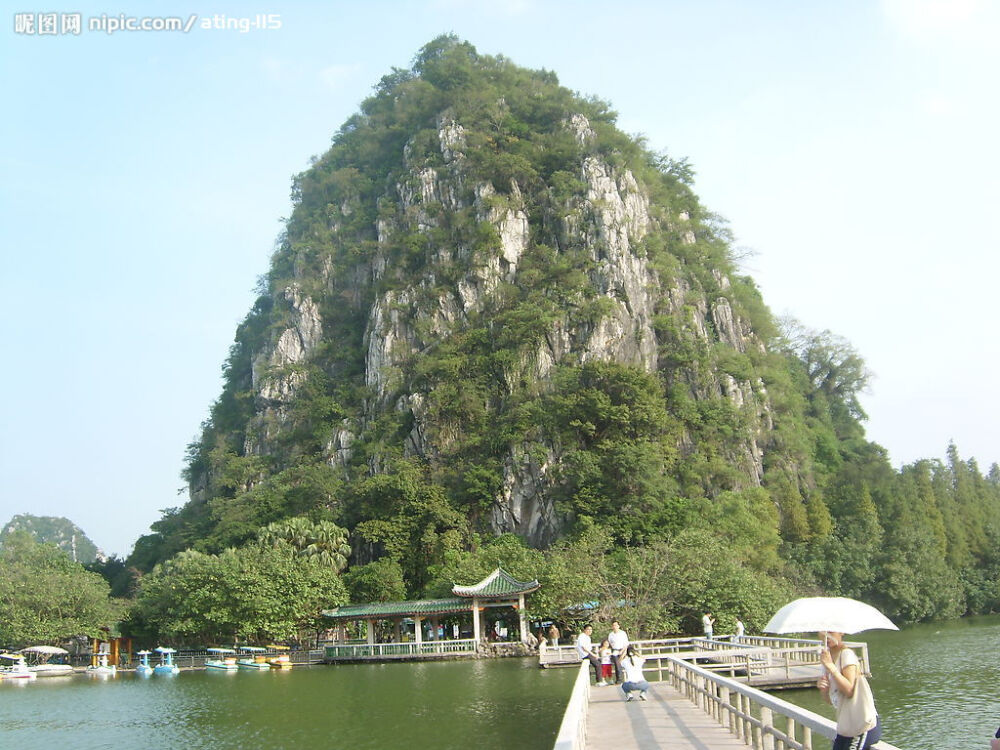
935, 684
484, 705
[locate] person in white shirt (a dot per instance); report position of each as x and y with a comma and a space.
634, 680
738, 635
706, 623
585, 650
845, 686
618, 640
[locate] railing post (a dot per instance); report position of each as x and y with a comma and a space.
725, 704
747, 727
767, 728
736, 723
807, 738
791, 733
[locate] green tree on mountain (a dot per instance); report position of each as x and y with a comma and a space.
323, 541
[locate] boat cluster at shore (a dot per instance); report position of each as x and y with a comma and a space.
50, 661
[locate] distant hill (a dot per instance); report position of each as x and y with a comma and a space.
58, 531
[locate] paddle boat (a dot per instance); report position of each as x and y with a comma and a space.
39, 660
99, 666
253, 658
13, 667
280, 660
166, 665
143, 668
222, 659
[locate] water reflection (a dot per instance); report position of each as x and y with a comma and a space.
442, 704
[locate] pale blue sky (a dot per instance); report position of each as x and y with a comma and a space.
851, 145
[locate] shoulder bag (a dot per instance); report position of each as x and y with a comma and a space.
856, 714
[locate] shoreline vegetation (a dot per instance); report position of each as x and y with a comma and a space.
430, 385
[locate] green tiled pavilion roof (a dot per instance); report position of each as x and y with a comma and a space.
377, 610
497, 585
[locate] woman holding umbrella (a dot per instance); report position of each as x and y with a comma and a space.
845, 686
843, 682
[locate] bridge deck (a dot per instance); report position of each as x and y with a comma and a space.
666, 720
800, 676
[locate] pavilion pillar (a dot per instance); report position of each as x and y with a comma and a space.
476, 630
418, 629
396, 633
371, 632
522, 619
435, 625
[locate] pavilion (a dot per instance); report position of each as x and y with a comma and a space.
498, 591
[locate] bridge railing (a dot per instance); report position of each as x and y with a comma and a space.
748, 713
566, 653
743, 661
795, 652
561, 654
335, 651
764, 657
573, 730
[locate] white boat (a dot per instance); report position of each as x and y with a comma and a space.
99, 666
143, 668
13, 667
253, 658
40, 661
166, 665
221, 659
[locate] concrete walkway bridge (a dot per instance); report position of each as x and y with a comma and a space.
699, 699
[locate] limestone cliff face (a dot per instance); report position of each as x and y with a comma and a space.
609, 217
443, 267
274, 375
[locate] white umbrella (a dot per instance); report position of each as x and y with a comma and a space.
820, 614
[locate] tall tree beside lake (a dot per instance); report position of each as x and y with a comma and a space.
45, 597
262, 592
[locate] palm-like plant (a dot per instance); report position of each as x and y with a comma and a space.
323, 540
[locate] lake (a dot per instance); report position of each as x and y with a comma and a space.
485, 704
935, 684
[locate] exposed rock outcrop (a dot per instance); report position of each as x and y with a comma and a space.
419, 252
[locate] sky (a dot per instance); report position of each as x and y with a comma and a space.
145, 174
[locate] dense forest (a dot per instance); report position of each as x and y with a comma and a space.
498, 329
